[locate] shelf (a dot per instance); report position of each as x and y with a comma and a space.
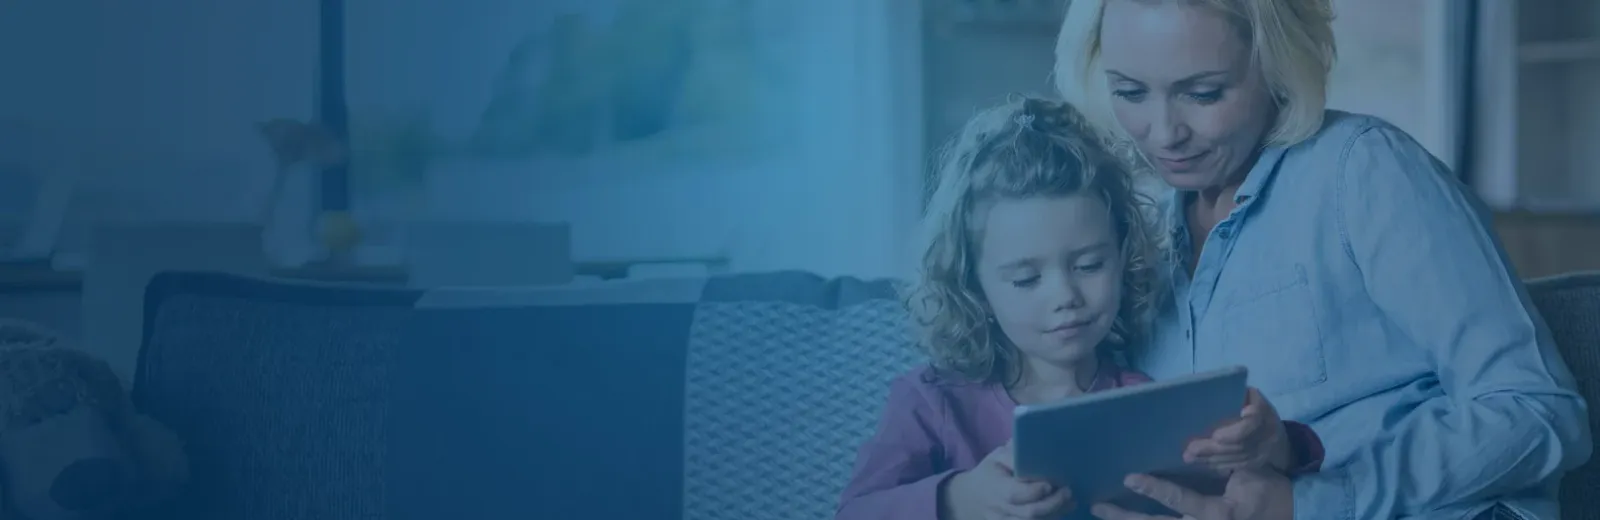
1559, 51
18, 278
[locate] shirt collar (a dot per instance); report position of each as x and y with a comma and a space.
1256, 181
1260, 175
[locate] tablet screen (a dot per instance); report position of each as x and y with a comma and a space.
1091, 442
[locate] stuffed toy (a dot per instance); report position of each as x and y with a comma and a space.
71, 445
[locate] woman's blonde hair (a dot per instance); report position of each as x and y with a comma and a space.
1291, 41
1027, 147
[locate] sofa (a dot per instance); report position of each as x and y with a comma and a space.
734, 397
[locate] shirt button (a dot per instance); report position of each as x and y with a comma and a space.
1187, 333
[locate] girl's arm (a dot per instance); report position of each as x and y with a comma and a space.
899, 471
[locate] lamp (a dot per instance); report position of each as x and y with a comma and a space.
337, 229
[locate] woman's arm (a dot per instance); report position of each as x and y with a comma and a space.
897, 474
1510, 417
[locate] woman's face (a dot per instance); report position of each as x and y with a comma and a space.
1186, 89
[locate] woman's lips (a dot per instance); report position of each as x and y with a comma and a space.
1182, 164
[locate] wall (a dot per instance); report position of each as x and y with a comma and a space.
157, 99
157, 102
970, 66
1392, 64
826, 198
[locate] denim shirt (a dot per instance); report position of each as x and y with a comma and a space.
1359, 282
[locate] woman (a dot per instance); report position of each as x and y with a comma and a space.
1333, 256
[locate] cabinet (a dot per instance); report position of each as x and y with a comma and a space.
1537, 126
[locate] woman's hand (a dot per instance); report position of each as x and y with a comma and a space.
992, 491
1251, 495
1256, 440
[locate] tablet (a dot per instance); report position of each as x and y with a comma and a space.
1091, 442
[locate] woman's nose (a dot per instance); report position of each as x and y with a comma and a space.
1167, 129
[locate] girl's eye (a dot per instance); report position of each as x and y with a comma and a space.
1089, 268
1025, 282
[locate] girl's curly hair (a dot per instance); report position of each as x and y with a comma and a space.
1027, 147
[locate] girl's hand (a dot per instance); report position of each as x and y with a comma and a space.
992, 491
1256, 440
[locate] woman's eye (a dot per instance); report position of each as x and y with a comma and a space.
1207, 97
1133, 95
1089, 268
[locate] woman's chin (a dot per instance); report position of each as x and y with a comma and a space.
1187, 181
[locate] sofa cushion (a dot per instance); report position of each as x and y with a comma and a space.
541, 403
786, 375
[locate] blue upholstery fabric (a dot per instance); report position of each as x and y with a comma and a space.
787, 373
540, 412
742, 399
279, 391
1570, 305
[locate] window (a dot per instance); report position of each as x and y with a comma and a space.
1537, 121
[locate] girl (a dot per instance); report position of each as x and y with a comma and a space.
1037, 265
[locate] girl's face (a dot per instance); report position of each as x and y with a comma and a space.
1185, 87
1051, 271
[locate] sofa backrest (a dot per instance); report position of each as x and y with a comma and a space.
738, 398
1570, 305
786, 377
735, 397
279, 390
742, 396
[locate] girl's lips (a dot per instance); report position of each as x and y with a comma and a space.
1069, 330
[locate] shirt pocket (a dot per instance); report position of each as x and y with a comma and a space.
1270, 325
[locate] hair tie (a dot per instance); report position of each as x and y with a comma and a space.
1025, 120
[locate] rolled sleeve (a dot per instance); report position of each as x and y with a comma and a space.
1306, 446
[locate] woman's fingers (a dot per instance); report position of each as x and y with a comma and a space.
1228, 459
1177, 498
1239, 431
1201, 450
